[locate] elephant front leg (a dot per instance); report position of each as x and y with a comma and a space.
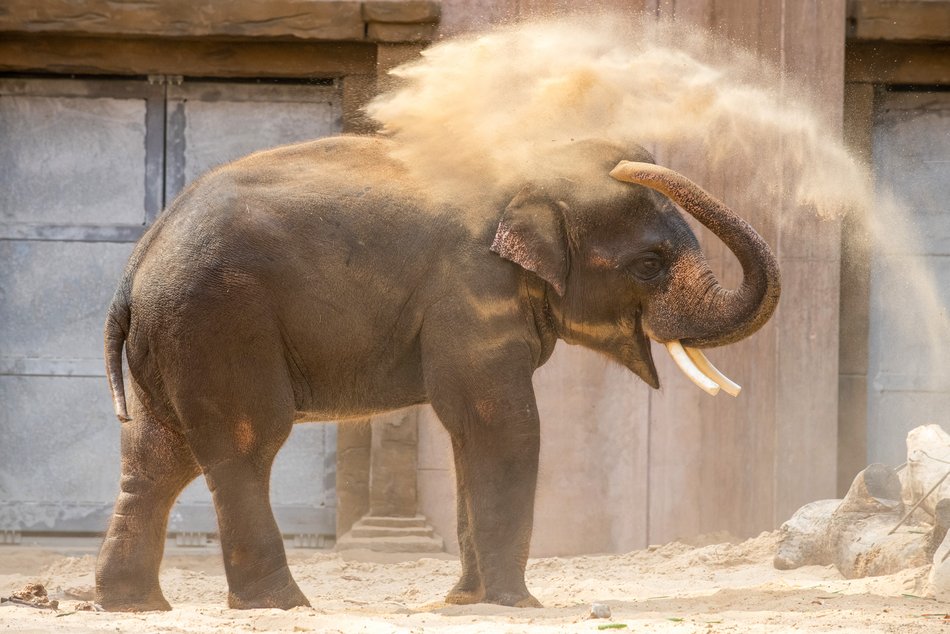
500, 472
496, 439
469, 588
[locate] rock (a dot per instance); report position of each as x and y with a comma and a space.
854, 533
941, 524
83, 593
877, 489
928, 455
805, 537
599, 611
33, 595
886, 523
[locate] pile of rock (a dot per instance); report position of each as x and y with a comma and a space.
890, 520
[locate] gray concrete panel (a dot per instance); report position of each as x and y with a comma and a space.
909, 319
73, 171
60, 441
209, 127
54, 296
907, 293
72, 160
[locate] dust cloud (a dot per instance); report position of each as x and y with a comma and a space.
486, 112
479, 115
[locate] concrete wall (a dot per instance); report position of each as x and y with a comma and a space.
909, 377
623, 466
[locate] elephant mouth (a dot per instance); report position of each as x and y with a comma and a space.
700, 370
639, 357
691, 362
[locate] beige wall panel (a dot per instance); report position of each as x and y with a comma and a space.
436, 478
724, 482
464, 16
774, 434
704, 464
807, 389
809, 253
592, 487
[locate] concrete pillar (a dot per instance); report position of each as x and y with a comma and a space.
392, 479
352, 473
393, 523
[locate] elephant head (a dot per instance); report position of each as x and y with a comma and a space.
625, 267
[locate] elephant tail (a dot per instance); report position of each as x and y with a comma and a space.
116, 331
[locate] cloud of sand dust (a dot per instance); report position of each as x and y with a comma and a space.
481, 114
491, 110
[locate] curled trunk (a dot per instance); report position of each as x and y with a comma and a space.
717, 316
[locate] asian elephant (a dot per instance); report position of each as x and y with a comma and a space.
323, 281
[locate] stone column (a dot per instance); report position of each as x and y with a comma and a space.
353, 441
392, 489
393, 523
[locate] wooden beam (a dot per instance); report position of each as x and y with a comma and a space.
196, 58
899, 20
297, 19
897, 63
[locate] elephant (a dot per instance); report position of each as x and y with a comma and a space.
323, 281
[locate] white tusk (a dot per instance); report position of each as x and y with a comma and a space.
690, 370
706, 367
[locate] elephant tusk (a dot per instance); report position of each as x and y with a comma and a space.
706, 367
689, 368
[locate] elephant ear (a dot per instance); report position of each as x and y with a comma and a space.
531, 234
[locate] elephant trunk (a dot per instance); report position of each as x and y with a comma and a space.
720, 316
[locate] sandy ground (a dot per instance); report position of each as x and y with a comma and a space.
675, 588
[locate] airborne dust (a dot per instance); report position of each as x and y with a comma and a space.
493, 109
479, 114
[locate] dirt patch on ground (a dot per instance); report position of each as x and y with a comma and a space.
676, 587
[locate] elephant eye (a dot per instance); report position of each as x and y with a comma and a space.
647, 267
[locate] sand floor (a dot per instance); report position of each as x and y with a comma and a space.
675, 588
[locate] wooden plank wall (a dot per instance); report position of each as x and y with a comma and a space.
744, 465
774, 449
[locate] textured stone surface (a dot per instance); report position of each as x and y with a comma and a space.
388, 20
899, 20
401, 10
392, 490
390, 32
24, 52
304, 19
392, 535
352, 473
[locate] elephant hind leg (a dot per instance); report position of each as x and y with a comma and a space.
156, 465
254, 558
236, 453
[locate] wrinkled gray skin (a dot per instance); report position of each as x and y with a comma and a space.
316, 282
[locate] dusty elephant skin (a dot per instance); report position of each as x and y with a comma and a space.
316, 281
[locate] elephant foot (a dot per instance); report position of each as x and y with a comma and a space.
513, 599
464, 594
284, 596
129, 601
